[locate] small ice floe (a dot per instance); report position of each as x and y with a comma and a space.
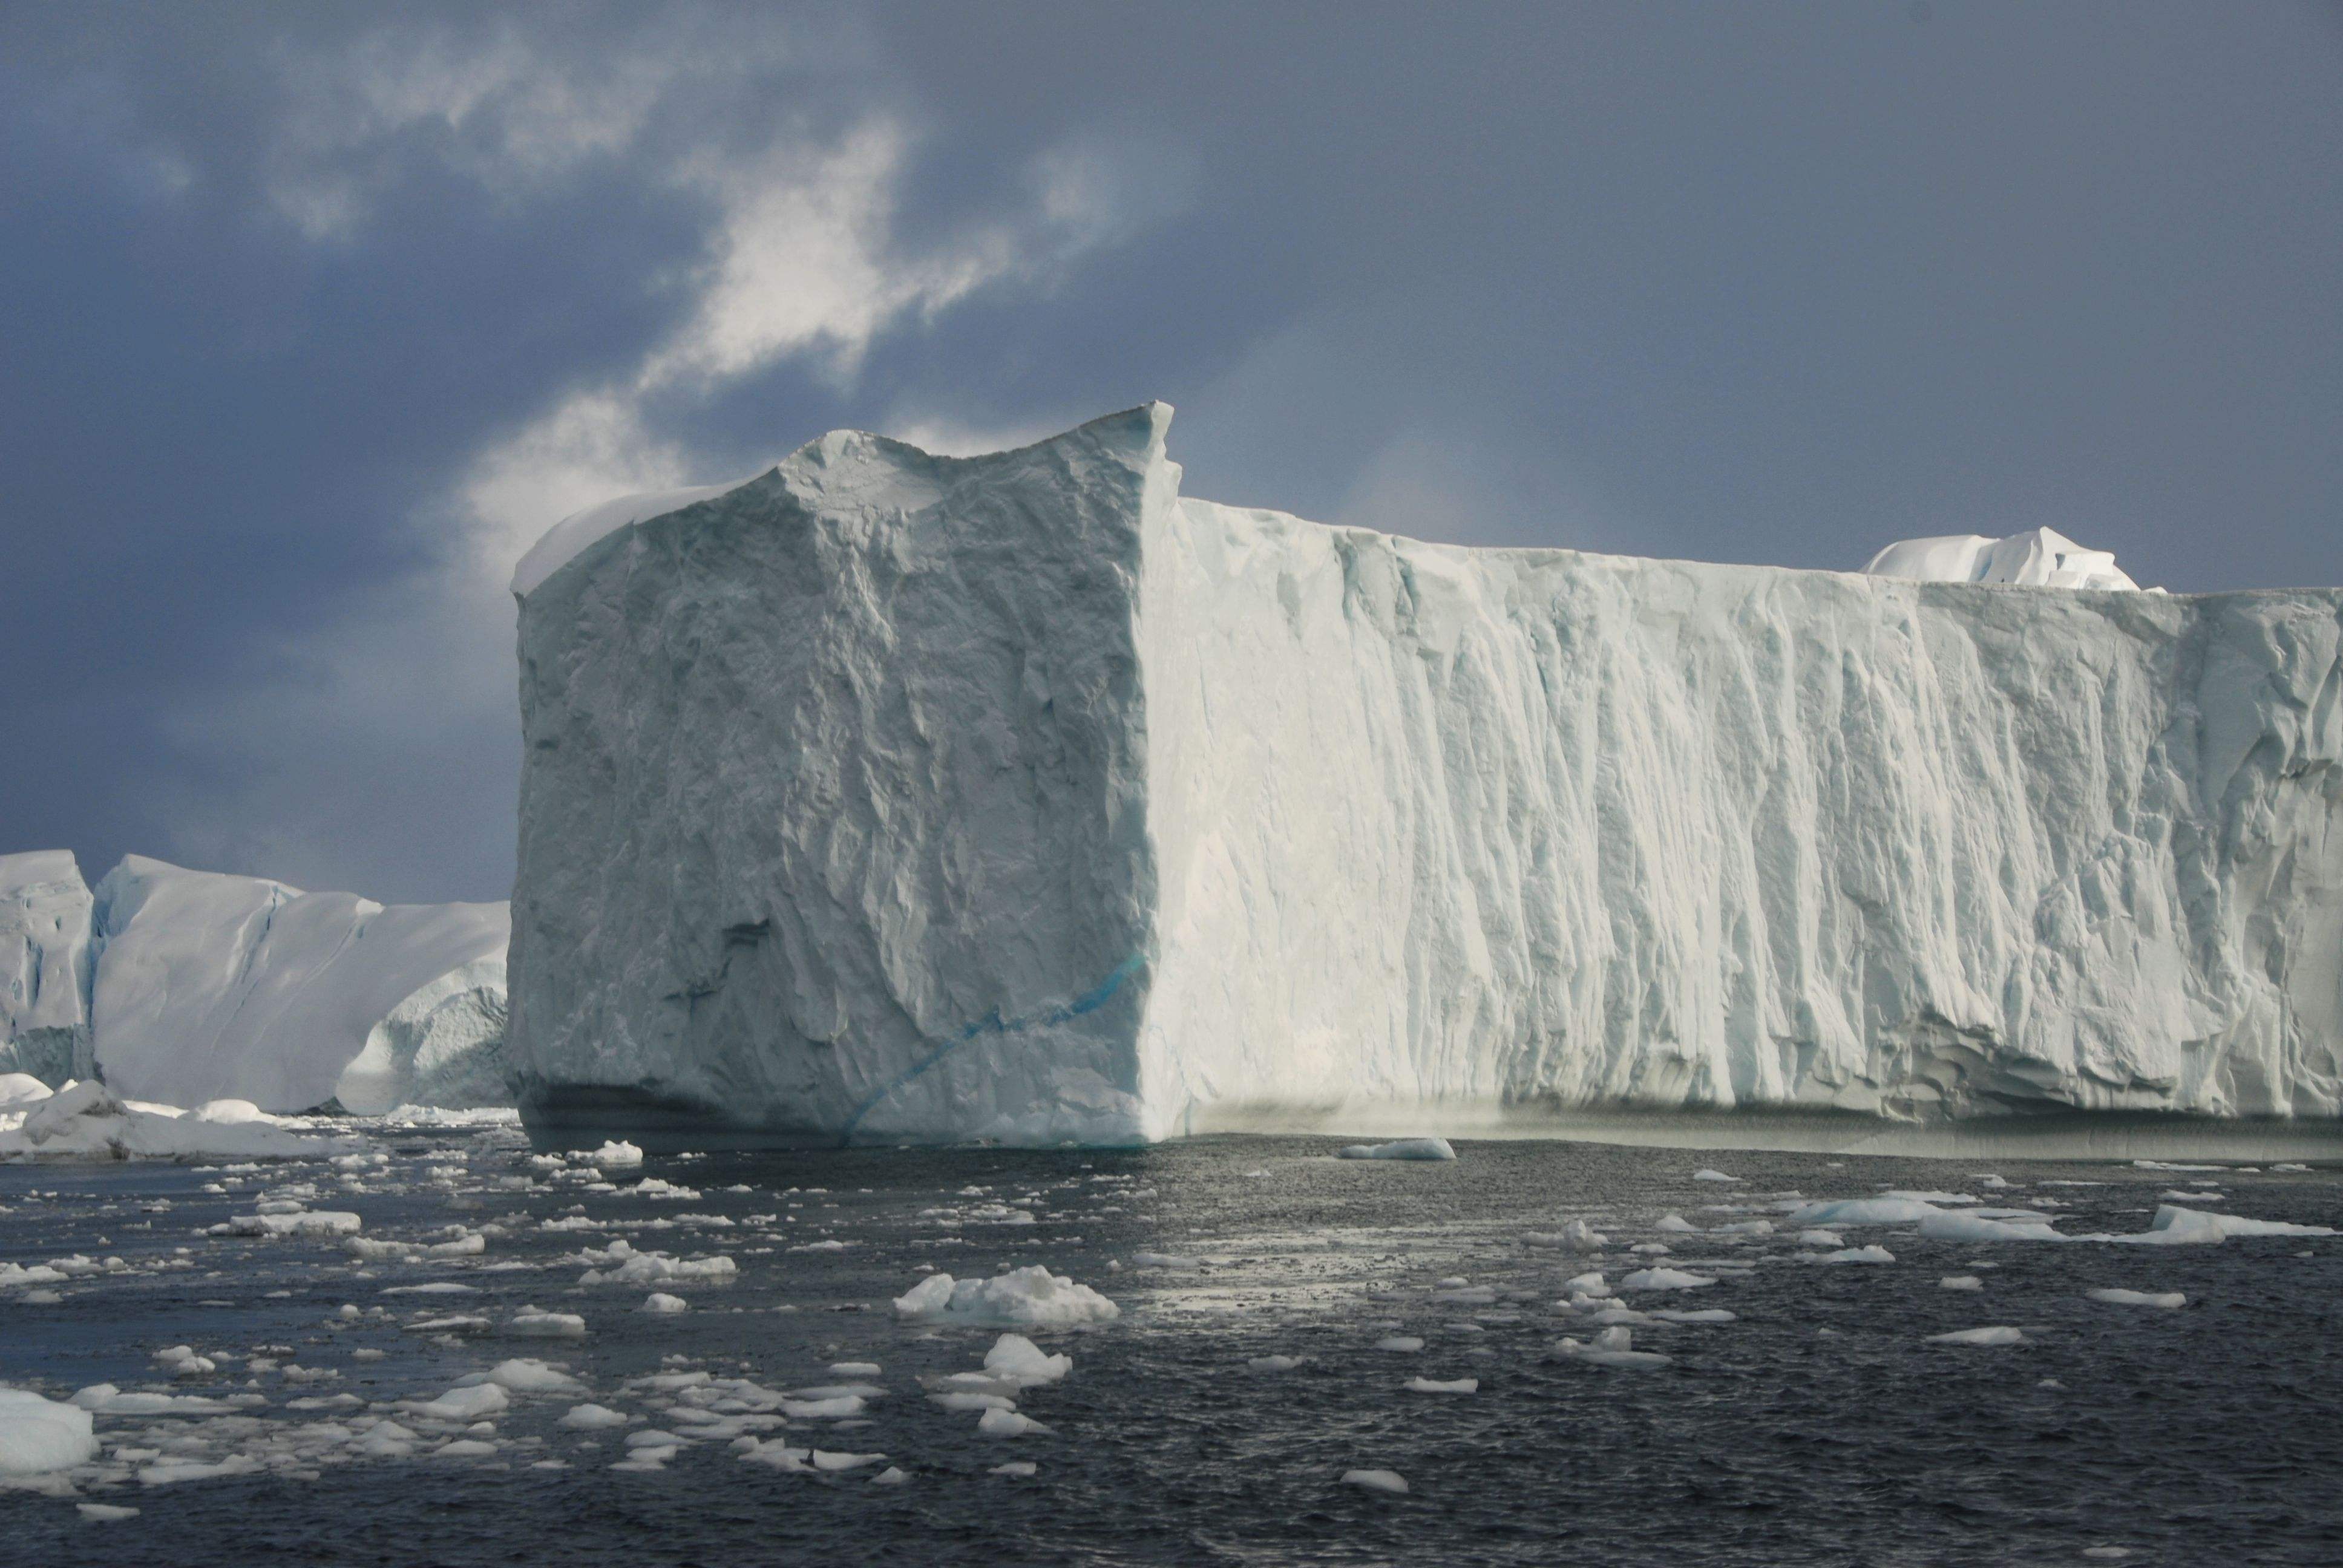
477, 1401
319, 1223
1168, 1261
1675, 1224
1400, 1345
2169, 1301
2194, 1195
660, 1301
2291, 1168
533, 1322
523, 1375
1376, 1480
613, 1156
183, 1362
1613, 1349
1588, 1284
1998, 1336
105, 1399
1960, 1282
1015, 1359
1707, 1175
1273, 1364
1826, 1239
622, 1265
1400, 1149
893, 1475
1017, 1467
1575, 1236
1863, 1211
1432, 1385
103, 1513
1705, 1315
1664, 1280
39, 1435
592, 1418
1030, 1297
1871, 1254
869, 1369
1006, 1424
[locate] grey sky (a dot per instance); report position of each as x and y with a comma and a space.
313, 315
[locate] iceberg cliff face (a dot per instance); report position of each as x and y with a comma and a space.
213, 987
888, 796
44, 966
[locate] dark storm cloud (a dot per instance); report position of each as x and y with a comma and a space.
313, 313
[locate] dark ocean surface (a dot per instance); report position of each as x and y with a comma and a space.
1818, 1426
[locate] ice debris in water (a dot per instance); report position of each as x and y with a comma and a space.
38, 1435
1997, 1335
613, 1155
1432, 1385
1960, 1282
1613, 1348
1705, 1174
1575, 1236
2170, 1301
1030, 1297
660, 1301
1401, 1149
1664, 1280
1015, 1359
1376, 1480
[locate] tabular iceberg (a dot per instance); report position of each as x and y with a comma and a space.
887, 796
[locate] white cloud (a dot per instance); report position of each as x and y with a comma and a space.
382, 751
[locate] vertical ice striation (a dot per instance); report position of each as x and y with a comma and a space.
890, 796
45, 962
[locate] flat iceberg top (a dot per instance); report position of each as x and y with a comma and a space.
2038, 558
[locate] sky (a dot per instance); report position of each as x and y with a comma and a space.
313, 317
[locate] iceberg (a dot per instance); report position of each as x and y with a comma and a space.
213, 987
888, 796
44, 966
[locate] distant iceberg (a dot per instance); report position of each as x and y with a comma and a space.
894, 797
185, 986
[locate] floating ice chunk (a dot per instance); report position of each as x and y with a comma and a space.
1575, 1236
1952, 1199
105, 1399
964, 1400
530, 1323
39, 1435
592, 1418
302, 1224
2174, 1226
1708, 1175
468, 1404
1613, 1349
1944, 1227
1863, 1212
660, 1301
1675, 1223
1429, 1385
1586, 1285
893, 1475
523, 1375
1400, 1345
2170, 1301
1960, 1282
629, 1267
1273, 1364
1705, 1315
101, 1512
1401, 1149
1024, 1298
834, 1407
171, 1472
1006, 1424
1664, 1280
1871, 1254
2000, 1335
1376, 1480
1015, 1359
1168, 1261
464, 1448
613, 1156
1018, 1467
857, 1369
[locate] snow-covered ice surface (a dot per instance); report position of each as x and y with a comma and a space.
2038, 558
889, 797
304, 1396
209, 986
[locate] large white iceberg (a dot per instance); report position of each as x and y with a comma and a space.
216, 987
888, 796
44, 966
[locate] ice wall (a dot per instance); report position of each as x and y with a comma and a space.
212, 987
44, 966
892, 796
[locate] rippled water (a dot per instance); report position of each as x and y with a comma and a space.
1819, 1426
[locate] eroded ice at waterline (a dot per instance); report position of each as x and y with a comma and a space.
894, 797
